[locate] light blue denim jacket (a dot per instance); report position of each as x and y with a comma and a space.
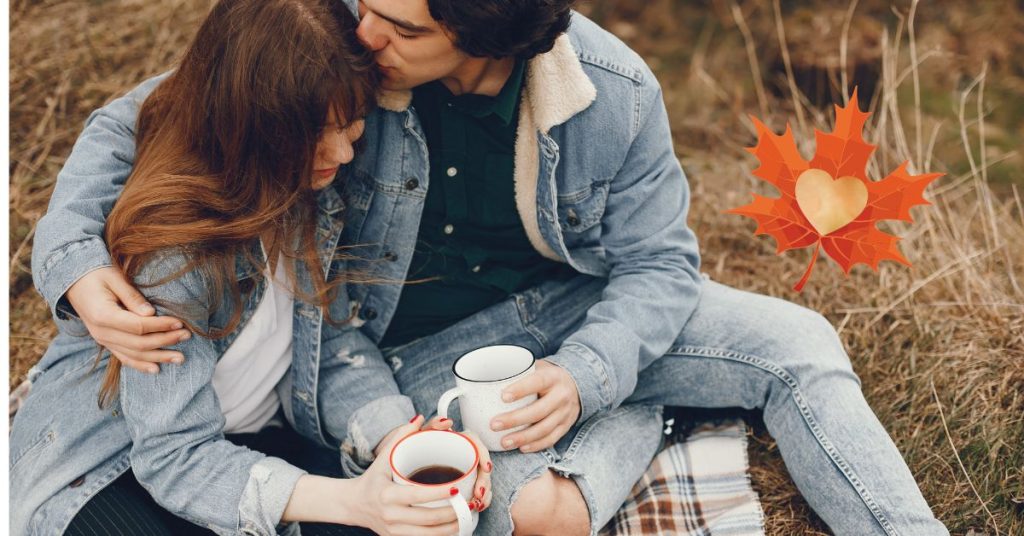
169, 427
598, 186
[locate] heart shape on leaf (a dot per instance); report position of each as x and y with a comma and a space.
828, 203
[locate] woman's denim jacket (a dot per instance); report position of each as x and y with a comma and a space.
598, 186
168, 427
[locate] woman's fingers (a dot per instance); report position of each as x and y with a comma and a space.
438, 423
400, 495
421, 515
416, 530
482, 486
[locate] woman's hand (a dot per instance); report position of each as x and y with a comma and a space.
482, 489
387, 508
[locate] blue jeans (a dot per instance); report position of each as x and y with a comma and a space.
739, 349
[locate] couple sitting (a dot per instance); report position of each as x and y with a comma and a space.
323, 213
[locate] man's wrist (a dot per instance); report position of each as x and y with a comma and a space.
590, 377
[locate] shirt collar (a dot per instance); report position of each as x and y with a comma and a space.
503, 105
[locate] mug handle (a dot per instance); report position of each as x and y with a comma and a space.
446, 400
467, 519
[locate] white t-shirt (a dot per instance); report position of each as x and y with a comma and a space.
259, 357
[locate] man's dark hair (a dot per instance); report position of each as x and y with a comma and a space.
503, 28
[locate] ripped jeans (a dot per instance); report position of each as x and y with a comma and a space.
739, 349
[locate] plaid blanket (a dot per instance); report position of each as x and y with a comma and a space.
698, 485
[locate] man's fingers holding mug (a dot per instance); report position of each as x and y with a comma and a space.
535, 437
536, 383
530, 414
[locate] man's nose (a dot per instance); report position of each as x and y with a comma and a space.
369, 32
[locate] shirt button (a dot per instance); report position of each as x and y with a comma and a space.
476, 269
412, 184
78, 482
449, 229
452, 172
391, 256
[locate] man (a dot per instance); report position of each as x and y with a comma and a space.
521, 170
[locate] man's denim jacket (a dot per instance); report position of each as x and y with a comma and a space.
168, 427
598, 186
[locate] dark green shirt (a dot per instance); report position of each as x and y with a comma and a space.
471, 243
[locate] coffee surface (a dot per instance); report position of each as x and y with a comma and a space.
435, 474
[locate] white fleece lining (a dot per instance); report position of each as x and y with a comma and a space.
556, 88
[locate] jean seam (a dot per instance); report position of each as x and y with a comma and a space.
809, 420
586, 492
524, 319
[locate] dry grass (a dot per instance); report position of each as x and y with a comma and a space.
939, 346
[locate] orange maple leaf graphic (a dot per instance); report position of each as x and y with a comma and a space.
843, 155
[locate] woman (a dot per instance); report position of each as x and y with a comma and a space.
228, 222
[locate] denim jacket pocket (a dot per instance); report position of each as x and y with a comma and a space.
44, 439
580, 212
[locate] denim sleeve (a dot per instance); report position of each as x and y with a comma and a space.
176, 426
358, 398
653, 268
68, 239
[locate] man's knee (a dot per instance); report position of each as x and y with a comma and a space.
550, 504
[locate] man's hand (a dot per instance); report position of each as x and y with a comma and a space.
549, 418
120, 319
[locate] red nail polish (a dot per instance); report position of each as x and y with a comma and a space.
482, 491
453, 492
472, 505
490, 466
443, 419
414, 419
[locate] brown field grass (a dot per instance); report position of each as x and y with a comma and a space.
939, 346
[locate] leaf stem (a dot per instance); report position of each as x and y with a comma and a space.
803, 280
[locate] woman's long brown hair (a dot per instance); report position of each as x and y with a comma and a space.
226, 147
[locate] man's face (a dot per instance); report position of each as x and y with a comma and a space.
411, 48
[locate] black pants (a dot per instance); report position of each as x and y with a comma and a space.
124, 507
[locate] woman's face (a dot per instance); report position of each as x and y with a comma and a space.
334, 149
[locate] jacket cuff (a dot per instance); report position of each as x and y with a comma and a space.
368, 426
266, 494
64, 268
593, 381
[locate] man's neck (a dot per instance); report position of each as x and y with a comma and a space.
480, 76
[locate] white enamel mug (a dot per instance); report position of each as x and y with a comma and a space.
428, 448
480, 377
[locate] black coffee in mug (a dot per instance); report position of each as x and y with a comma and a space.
435, 474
